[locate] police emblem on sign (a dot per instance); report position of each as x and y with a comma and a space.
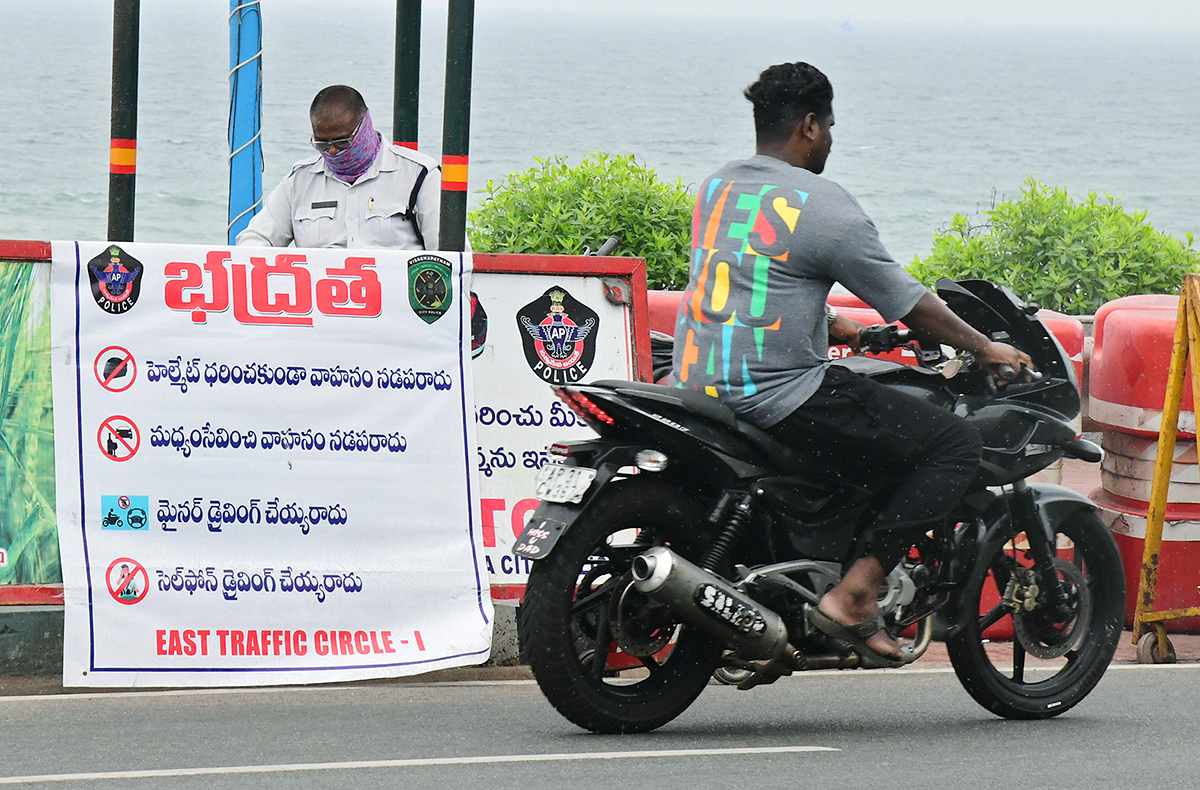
116, 278
558, 333
430, 291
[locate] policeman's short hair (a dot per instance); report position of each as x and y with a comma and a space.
338, 99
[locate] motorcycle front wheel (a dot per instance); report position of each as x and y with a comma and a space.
1054, 659
607, 658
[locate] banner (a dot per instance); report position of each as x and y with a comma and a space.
543, 329
265, 465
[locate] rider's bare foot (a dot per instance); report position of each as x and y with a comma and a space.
854, 601
835, 608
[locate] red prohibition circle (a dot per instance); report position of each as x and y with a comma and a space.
129, 362
117, 439
124, 582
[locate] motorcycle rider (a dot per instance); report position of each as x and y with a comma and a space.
770, 236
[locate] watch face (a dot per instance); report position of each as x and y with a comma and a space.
429, 289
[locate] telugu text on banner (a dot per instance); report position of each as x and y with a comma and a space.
265, 465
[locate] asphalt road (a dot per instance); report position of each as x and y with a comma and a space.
905, 728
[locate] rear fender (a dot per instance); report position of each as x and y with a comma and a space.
552, 519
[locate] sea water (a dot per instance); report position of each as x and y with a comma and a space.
930, 120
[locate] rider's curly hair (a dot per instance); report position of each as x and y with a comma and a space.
783, 95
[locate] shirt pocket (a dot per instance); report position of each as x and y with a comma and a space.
314, 226
387, 225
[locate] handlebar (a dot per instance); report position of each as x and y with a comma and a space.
1006, 373
882, 338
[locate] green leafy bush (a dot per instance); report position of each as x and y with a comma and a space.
556, 209
1067, 256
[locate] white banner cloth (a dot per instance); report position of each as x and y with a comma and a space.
544, 329
265, 465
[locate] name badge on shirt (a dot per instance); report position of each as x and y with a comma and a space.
325, 204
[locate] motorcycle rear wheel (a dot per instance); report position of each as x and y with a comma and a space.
569, 622
1014, 682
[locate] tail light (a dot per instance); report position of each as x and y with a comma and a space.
583, 406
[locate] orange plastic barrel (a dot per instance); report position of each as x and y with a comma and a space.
1130, 363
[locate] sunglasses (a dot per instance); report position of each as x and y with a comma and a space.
341, 143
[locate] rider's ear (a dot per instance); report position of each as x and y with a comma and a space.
809, 128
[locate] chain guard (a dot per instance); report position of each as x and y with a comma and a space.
1049, 640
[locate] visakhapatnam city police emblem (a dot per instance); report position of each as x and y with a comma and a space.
430, 291
558, 333
116, 278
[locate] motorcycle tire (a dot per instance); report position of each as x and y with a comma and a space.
1051, 665
569, 616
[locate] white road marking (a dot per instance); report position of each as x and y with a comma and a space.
407, 763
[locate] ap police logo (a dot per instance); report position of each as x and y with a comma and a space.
125, 512
430, 291
558, 333
116, 279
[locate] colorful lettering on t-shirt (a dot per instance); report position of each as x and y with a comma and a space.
737, 230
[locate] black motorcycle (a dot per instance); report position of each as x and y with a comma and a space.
683, 541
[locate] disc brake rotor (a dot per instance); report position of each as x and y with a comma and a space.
1043, 637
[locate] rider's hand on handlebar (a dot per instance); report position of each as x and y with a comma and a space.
848, 331
1005, 362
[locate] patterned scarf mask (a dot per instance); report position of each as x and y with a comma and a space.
350, 163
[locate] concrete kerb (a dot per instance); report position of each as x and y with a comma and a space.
1187, 649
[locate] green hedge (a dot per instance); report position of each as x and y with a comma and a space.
1065, 255
554, 208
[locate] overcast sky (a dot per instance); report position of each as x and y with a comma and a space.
1167, 14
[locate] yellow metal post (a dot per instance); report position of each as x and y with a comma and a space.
1148, 580
1186, 343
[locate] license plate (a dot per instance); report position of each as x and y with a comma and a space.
558, 483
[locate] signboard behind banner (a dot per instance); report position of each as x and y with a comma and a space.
541, 322
265, 465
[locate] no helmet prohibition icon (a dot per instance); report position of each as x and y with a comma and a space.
115, 369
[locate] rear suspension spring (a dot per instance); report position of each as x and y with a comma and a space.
729, 536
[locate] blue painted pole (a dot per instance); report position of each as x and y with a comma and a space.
245, 114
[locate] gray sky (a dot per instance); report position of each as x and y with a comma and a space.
1166, 14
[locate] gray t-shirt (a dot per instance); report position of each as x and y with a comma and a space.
768, 242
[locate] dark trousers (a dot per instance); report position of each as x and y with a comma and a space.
865, 430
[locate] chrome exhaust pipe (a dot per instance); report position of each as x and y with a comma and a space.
710, 603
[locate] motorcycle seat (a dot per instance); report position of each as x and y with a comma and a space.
708, 407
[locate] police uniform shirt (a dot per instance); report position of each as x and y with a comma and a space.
391, 205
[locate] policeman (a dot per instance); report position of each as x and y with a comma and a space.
359, 191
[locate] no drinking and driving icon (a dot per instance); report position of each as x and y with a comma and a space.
118, 438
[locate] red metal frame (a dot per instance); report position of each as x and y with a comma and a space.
15, 250
28, 594
631, 269
31, 594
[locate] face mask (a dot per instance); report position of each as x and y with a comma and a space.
350, 163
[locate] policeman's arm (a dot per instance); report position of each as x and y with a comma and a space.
931, 318
271, 227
